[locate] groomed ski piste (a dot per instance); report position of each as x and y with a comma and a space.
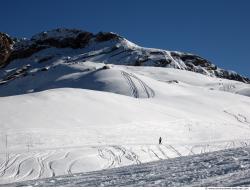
67, 116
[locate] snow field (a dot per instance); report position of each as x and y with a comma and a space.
80, 118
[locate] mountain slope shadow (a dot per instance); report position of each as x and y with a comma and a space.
65, 76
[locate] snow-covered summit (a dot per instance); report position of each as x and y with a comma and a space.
109, 47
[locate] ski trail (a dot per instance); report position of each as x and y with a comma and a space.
107, 154
239, 117
51, 169
126, 153
40, 160
190, 150
50, 163
162, 152
149, 91
131, 84
119, 156
176, 151
3, 164
129, 78
47, 163
18, 167
34, 166
29, 173
154, 153
9, 163
115, 154
103, 156
243, 118
72, 163
41, 167
132, 156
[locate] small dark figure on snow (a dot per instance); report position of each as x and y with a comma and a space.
160, 139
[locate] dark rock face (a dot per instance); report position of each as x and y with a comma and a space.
75, 41
59, 39
106, 36
231, 76
5, 48
82, 40
192, 61
24, 52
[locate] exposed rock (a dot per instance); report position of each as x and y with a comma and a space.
59, 38
231, 76
194, 59
201, 65
5, 48
163, 62
106, 36
17, 73
24, 52
106, 67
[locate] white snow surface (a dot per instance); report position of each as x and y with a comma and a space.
227, 168
66, 116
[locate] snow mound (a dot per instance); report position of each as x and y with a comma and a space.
100, 78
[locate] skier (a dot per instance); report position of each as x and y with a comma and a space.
160, 140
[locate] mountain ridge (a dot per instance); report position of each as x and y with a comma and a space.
109, 47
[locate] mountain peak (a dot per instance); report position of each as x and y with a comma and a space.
108, 47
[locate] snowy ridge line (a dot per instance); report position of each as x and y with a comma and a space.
203, 143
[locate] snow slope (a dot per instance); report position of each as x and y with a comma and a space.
228, 168
65, 117
66, 67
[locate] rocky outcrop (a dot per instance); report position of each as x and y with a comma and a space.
198, 64
62, 38
59, 38
106, 36
5, 48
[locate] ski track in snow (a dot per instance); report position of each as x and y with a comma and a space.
229, 167
134, 89
44, 163
239, 117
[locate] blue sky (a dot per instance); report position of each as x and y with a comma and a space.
218, 30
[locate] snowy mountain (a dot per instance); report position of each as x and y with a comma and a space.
77, 102
108, 48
